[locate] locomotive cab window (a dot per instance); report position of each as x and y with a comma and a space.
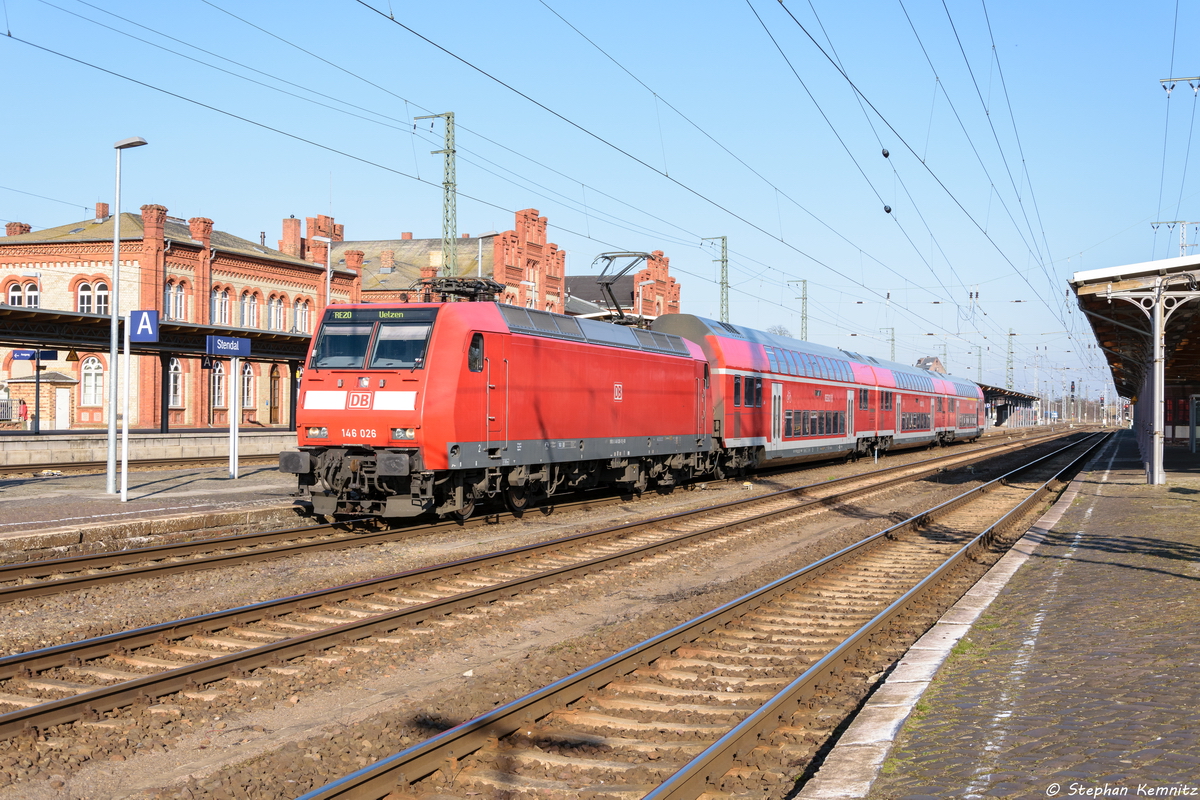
401, 345
475, 353
341, 346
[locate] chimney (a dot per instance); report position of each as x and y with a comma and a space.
406, 235
17, 228
201, 230
290, 243
466, 236
429, 271
153, 219
387, 261
101, 212
354, 259
339, 233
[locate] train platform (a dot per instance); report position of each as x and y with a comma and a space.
1069, 671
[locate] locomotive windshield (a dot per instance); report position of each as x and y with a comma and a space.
400, 345
373, 339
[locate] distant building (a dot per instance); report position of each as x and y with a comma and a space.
931, 363
530, 268
189, 272
650, 292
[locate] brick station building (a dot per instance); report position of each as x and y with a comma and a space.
188, 271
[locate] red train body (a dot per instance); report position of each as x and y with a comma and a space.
413, 408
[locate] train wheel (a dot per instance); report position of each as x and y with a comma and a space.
467, 510
517, 500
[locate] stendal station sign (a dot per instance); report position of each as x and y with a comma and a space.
35, 355
229, 346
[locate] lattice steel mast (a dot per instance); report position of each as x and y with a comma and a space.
449, 266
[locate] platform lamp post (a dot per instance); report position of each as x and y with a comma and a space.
114, 311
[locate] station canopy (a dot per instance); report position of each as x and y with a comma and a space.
1123, 328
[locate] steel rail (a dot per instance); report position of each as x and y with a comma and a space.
398, 771
160, 553
188, 676
141, 463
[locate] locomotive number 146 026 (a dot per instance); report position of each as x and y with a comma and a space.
358, 433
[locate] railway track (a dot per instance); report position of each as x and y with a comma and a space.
717, 707
53, 576
138, 464
75, 681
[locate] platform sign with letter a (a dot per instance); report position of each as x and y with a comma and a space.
143, 326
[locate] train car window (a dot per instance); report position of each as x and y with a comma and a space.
887, 401
400, 345
774, 362
863, 399
820, 420
341, 346
737, 390
475, 353
758, 392
787, 423
804, 423
939, 405
794, 362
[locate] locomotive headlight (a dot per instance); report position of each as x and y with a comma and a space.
404, 433
364, 383
318, 433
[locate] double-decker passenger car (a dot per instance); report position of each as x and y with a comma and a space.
781, 400
433, 407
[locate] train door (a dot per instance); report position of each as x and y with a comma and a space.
850, 427
496, 372
702, 403
776, 413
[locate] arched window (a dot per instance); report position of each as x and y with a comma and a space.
83, 298
15, 295
33, 297
247, 387
249, 310
101, 296
176, 383
179, 311
218, 385
276, 318
92, 386
300, 315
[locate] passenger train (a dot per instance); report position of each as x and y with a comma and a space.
415, 408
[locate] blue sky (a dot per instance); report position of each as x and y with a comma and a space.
697, 120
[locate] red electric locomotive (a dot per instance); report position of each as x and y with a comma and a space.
410, 408
433, 407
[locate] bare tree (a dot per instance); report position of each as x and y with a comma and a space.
779, 330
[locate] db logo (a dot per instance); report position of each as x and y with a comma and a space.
360, 400
618, 392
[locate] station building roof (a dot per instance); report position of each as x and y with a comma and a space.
993, 393
1124, 330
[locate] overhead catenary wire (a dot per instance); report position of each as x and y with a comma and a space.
932, 174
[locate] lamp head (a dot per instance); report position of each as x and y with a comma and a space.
132, 141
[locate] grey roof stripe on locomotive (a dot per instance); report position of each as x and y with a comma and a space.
533, 322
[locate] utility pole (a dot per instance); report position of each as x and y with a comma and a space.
945, 355
1183, 242
1008, 366
449, 266
803, 308
724, 260
891, 332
